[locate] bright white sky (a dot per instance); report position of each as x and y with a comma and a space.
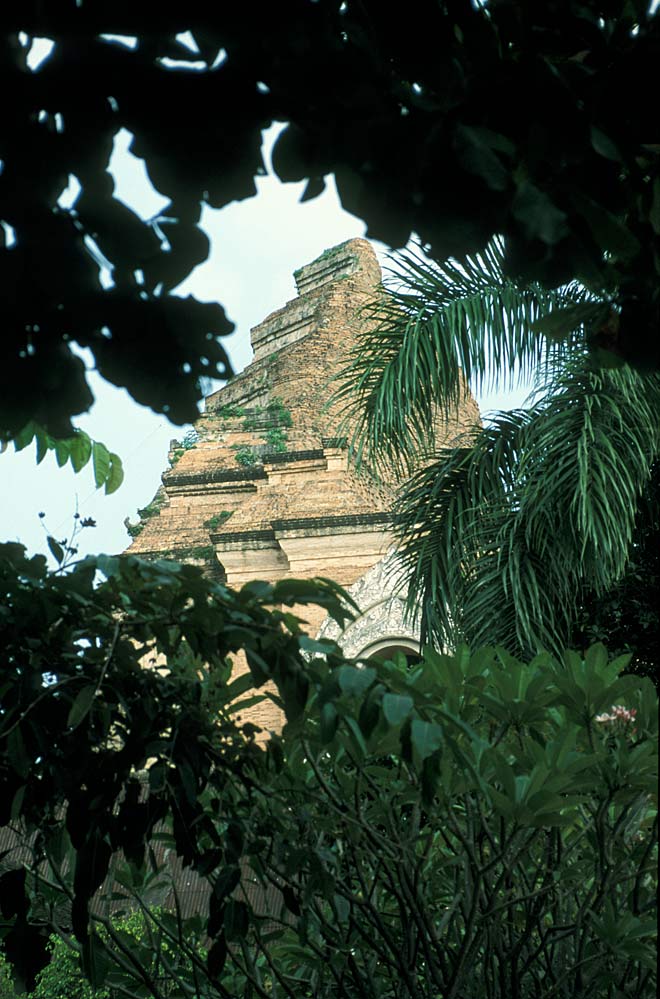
255, 247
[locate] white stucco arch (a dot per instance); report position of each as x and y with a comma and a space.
383, 623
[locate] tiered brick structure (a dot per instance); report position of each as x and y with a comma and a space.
267, 490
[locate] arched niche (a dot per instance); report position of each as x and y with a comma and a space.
387, 648
383, 622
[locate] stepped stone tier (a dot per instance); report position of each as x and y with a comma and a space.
267, 490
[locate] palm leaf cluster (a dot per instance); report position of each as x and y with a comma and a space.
502, 534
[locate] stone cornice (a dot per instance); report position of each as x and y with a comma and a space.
216, 475
346, 520
286, 457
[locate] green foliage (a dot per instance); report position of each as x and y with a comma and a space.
228, 412
515, 136
474, 825
470, 825
252, 419
246, 456
509, 532
276, 440
179, 448
7, 990
279, 413
627, 616
145, 513
439, 328
196, 552
62, 977
190, 439
217, 519
153, 508
78, 449
515, 531
82, 716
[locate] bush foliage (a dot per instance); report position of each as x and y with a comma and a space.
470, 825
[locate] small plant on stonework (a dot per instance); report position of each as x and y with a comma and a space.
190, 439
151, 509
134, 530
205, 552
245, 456
228, 412
279, 413
276, 440
252, 419
217, 519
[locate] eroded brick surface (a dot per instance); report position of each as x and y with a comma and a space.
267, 491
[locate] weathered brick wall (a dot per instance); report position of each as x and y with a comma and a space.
298, 509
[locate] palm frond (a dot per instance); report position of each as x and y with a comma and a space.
439, 328
500, 539
590, 447
449, 517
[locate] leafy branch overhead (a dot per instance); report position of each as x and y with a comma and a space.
79, 449
456, 122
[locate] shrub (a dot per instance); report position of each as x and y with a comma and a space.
7, 990
276, 440
245, 456
470, 826
217, 519
62, 978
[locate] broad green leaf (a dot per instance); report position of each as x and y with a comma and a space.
612, 234
354, 680
559, 323
240, 685
475, 148
237, 919
260, 589
426, 737
81, 705
80, 450
538, 215
18, 756
604, 146
25, 436
357, 735
95, 960
115, 475
56, 549
329, 722
43, 444
342, 908
396, 708
318, 647
62, 451
109, 565
101, 463
246, 703
596, 657
227, 880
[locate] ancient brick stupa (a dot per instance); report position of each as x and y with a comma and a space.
267, 491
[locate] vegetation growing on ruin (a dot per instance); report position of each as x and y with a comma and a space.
217, 519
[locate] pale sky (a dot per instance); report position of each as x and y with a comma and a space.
255, 247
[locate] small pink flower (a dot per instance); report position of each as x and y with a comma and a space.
618, 713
